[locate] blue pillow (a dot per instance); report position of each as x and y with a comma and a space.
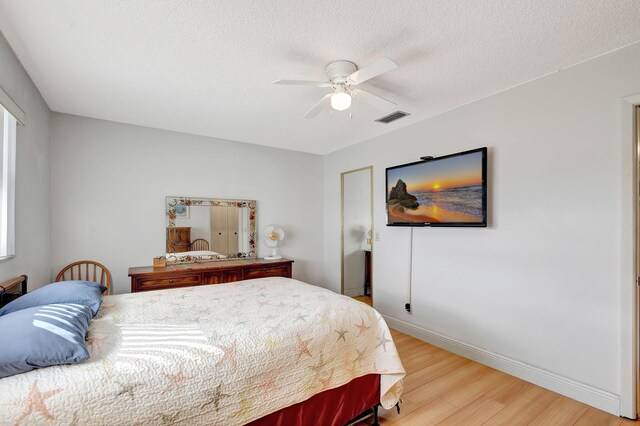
43, 336
81, 292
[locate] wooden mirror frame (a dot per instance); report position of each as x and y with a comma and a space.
189, 201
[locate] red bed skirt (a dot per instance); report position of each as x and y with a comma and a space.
333, 407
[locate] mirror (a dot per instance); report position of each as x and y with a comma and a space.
357, 224
208, 229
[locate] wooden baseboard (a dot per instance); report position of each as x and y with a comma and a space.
573, 389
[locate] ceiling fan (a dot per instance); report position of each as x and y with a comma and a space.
343, 75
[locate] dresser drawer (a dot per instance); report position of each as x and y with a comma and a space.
272, 271
173, 282
221, 277
233, 275
216, 277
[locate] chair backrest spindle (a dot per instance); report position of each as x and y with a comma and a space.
98, 268
199, 244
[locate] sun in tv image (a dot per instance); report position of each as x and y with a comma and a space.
447, 190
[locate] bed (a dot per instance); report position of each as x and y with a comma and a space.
194, 254
226, 354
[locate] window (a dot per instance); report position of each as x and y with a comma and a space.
7, 183
8, 123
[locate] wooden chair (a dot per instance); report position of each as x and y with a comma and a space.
199, 244
86, 270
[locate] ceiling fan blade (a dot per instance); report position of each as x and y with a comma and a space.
317, 108
374, 100
375, 69
303, 83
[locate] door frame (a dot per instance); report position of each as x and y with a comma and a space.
342, 175
629, 250
636, 254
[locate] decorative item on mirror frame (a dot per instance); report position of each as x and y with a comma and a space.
182, 211
272, 237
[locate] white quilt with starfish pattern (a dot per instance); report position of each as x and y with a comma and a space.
221, 354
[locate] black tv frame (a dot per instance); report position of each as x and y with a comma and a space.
427, 159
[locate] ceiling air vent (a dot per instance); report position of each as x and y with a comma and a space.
392, 117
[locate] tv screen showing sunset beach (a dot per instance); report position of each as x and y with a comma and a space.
448, 190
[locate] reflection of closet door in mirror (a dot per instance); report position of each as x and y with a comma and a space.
218, 229
357, 222
243, 229
232, 229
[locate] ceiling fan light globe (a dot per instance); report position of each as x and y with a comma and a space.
340, 101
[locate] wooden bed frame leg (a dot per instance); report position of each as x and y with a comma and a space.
375, 416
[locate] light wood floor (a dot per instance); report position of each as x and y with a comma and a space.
445, 389
364, 299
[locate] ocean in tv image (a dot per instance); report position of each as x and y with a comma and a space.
440, 191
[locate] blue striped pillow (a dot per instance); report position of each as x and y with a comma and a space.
82, 292
43, 336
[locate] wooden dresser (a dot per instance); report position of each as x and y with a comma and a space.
12, 289
189, 274
367, 272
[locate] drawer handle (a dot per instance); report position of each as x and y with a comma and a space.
172, 281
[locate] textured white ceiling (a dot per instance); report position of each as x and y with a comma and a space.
207, 67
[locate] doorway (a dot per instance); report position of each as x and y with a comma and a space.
357, 234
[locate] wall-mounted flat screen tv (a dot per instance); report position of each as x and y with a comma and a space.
444, 191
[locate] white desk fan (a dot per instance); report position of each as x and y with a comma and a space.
272, 236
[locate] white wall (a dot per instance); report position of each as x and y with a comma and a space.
541, 284
33, 241
109, 182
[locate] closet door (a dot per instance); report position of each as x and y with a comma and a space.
218, 229
243, 229
232, 229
